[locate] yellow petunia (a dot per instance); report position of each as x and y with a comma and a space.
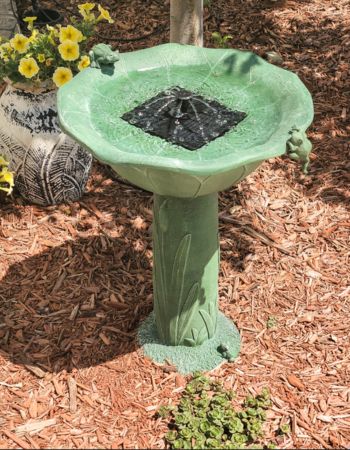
69, 50
20, 43
41, 57
85, 10
33, 36
30, 21
70, 33
6, 180
3, 162
28, 67
61, 76
5, 50
84, 63
104, 15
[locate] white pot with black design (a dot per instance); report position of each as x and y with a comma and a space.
50, 168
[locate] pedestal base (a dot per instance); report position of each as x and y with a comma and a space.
190, 359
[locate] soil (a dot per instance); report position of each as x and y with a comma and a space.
76, 280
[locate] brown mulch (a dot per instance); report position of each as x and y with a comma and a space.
76, 280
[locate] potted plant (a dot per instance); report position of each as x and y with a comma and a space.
50, 168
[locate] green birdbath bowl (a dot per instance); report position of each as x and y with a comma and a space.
185, 123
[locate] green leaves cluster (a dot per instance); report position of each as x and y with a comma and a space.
205, 417
221, 41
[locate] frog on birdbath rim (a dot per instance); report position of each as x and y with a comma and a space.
299, 147
102, 54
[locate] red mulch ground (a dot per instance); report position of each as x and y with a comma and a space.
76, 280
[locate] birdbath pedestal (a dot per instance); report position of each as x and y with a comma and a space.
185, 123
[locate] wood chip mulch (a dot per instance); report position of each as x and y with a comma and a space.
76, 280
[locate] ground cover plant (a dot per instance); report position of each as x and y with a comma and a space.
205, 417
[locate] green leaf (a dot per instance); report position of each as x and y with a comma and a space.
171, 436
186, 433
208, 321
204, 426
236, 426
164, 411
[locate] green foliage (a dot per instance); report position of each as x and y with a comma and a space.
271, 322
221, 41
284, 429
205, 417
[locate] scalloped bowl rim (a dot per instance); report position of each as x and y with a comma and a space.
109, 153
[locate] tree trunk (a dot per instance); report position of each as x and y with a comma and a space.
186, 22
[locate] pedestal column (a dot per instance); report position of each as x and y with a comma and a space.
185, 327
185, 268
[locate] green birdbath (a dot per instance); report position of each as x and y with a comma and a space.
185, 123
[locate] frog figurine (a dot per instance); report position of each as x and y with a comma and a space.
299, 147
225, 352
102, 54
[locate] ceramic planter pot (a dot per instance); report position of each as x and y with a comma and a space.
50, 167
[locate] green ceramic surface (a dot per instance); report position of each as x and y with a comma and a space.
190, 359
185, 268
91, 105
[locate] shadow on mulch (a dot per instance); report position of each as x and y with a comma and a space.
8, 207
79, 304
76, 305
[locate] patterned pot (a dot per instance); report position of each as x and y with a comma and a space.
50, 168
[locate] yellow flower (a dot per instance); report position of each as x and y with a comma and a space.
69, 50
3, 163
85, 10
61, 76
6, 180
41, 57
53, 31
84, 63
70, 33
30, 21
20, 43
48, 62
33, 36
104, 15
28, 67
5, 50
